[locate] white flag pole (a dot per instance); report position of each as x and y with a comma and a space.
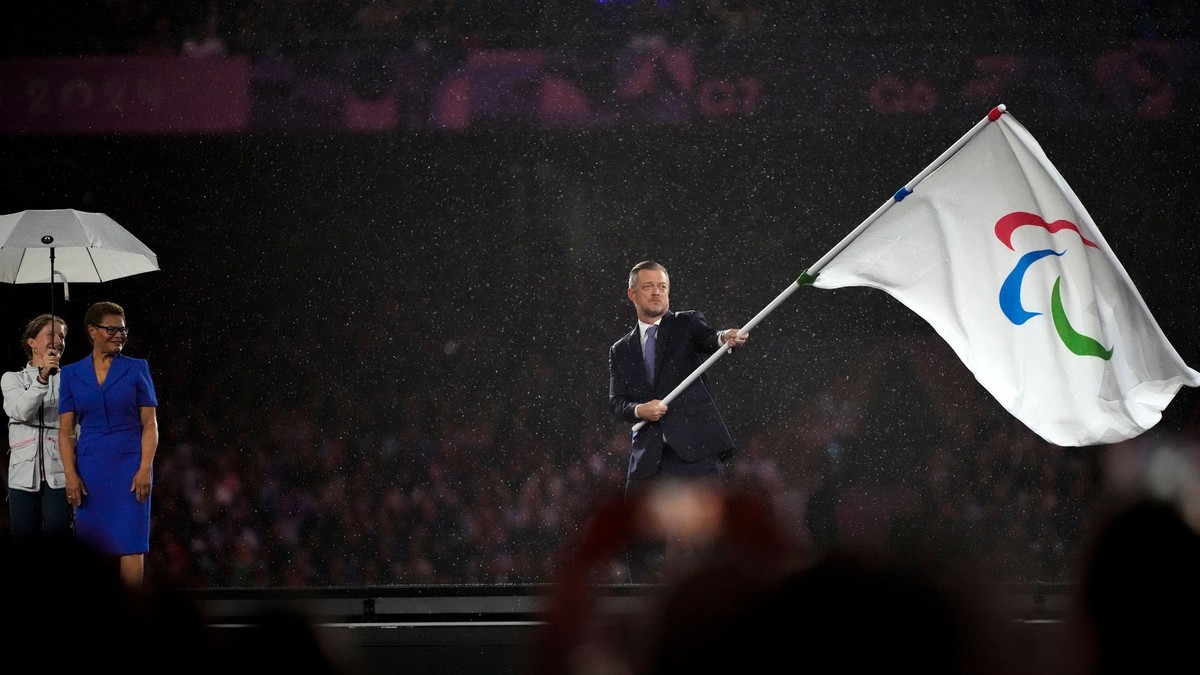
725, 349
904, 191
810, 275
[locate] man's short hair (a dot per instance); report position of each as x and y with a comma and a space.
646, 265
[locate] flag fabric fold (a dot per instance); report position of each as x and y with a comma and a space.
995, 251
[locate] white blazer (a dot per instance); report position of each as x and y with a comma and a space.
32, 409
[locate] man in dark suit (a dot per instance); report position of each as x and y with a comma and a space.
687, 439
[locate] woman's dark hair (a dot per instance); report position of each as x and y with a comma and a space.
98, 311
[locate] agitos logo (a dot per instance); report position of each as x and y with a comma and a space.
1010, 290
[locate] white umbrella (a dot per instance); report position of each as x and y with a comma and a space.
38, 245
72, 245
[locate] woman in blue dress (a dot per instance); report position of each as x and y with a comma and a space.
109, 399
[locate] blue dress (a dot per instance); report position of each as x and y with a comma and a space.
108, 452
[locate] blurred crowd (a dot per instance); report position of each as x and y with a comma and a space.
468, 483
255, 26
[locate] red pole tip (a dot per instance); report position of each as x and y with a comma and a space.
996, 113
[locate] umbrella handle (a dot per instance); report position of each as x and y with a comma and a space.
66, 288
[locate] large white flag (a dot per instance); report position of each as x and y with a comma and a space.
995, 251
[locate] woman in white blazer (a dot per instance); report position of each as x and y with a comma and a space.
37, 500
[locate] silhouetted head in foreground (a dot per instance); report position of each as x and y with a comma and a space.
755, 601
1140, 590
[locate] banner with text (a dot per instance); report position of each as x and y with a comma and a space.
552, 89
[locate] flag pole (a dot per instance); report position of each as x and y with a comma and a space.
725, 349
811, 273
903, 192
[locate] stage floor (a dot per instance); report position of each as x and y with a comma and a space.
486, 629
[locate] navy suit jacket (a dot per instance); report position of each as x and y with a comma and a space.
692, 425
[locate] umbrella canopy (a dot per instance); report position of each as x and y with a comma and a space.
85, 247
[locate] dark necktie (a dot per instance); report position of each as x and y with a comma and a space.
648, 352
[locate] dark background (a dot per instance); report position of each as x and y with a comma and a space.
382, 358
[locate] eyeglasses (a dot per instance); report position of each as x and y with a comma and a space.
113, 330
